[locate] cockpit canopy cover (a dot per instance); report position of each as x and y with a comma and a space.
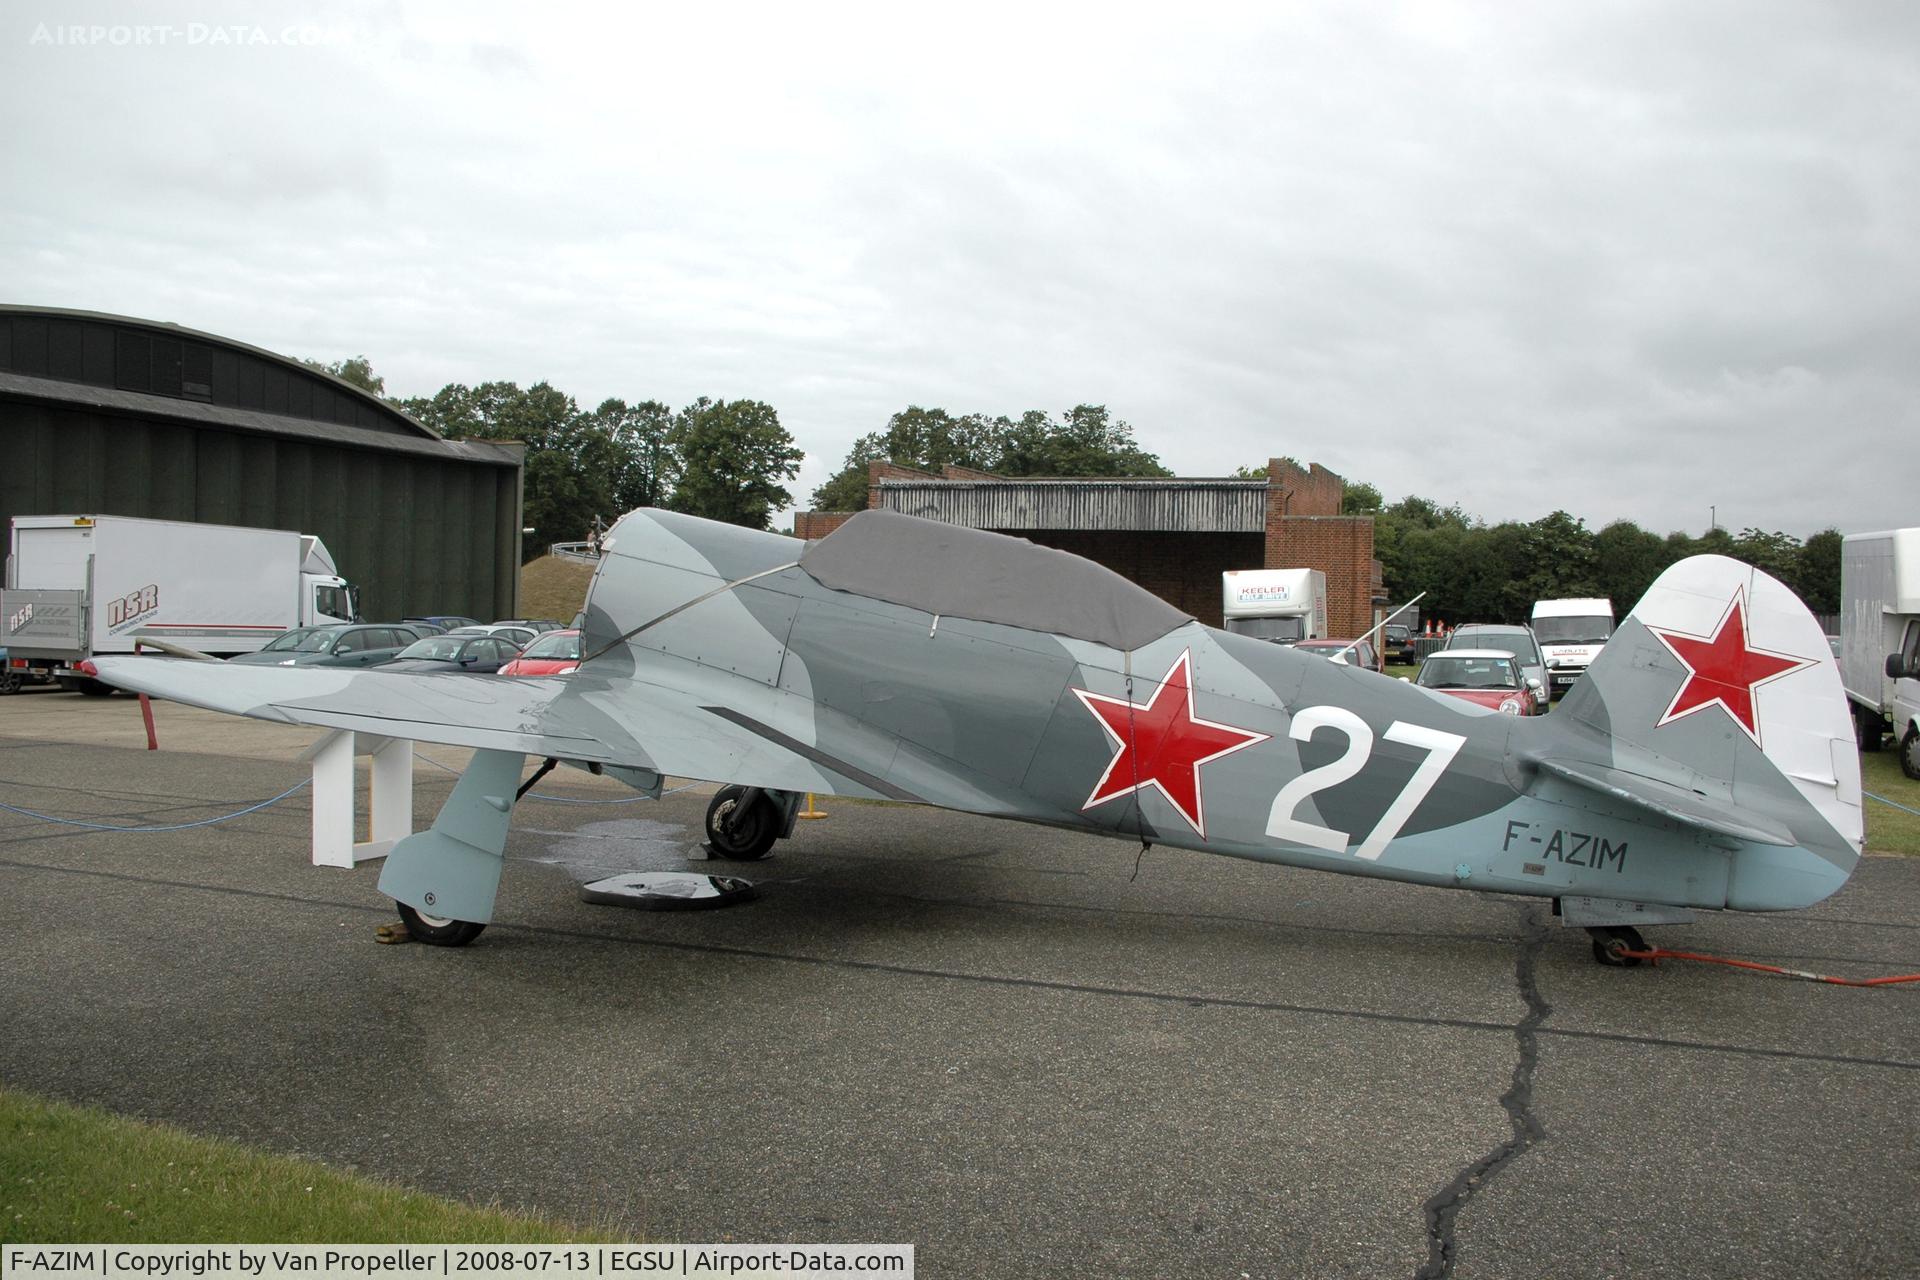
989, 577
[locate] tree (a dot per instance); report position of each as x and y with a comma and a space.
644, 465
1626, 560
356, 369
571, 459
1086, 441
1817, 577
847, 491
1360, 499
1777, 553
732, 455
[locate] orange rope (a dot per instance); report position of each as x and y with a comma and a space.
1657, 954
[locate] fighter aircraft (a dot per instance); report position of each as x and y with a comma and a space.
1706, 760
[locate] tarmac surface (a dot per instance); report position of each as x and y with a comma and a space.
995, 1042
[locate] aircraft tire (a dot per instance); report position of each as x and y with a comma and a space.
438, 932
1610, 941
742, 837
1910, 753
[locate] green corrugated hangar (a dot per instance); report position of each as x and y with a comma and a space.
108, 415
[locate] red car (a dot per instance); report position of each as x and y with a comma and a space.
553, 654
1489, 677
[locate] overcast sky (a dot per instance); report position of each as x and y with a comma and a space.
1625, 260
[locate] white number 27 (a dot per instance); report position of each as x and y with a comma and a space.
1440, 748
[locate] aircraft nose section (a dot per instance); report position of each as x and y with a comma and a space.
1773, 878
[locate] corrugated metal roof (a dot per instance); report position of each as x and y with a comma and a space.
167, 328
1159, 505
147, 405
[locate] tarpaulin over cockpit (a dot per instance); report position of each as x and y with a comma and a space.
989, 577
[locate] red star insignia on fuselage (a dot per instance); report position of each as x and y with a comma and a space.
1162, 744
1724, 669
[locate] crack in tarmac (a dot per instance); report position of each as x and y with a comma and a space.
1444, 1208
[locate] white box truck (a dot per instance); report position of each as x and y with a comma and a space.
1880, 638
1281, 605
1571, 634
77, 586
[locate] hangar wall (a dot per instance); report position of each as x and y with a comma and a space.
1175, 537
422, 525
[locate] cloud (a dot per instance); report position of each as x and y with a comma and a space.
1622, 260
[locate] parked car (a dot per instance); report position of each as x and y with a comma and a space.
454, 652
445, 621
1362, 654
1518, 641
359, 645
1485, 677
553, 654
538, 625
519, 635
425, 628
1397, 640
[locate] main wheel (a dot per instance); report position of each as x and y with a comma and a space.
94, 689
436, 931
1867, 729
744, 832
1910, 753
1611, 943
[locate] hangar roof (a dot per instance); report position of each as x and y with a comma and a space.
162, 370
146, 405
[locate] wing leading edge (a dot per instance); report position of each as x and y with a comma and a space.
632, 723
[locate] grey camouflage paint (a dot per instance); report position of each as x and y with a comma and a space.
784, 683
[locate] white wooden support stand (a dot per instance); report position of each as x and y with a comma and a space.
333, 799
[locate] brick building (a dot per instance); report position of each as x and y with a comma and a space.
1174, 537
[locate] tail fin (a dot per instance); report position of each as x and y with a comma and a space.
1720, 686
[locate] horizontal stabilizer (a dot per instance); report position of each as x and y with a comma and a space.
1688, 808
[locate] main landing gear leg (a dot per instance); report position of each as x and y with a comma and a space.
443, 880
1612, 942
743, 822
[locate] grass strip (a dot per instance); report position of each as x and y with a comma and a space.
1888, 829
81, 1174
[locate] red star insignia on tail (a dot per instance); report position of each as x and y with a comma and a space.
1724, 669
1162, 744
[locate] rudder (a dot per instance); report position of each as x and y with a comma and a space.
1719, 681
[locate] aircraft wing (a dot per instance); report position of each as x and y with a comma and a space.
682, 730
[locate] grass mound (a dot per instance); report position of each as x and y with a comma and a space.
553, 588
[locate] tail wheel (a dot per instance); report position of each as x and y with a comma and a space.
1611, 943
741, 829
437, 931
1910, 752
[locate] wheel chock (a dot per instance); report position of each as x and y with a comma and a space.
392, 933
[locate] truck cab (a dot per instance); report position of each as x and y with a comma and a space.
325, 595
1283, 606
1571, 634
